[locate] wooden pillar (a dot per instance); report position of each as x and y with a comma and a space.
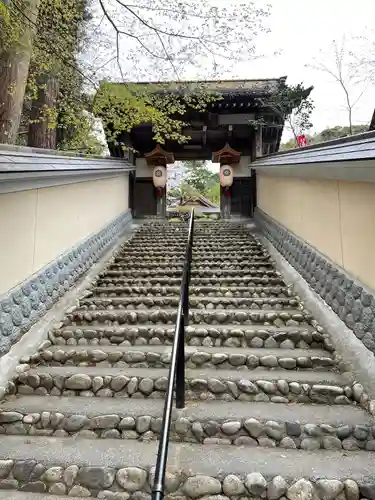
226, 156
225, 203
161, 202
160, 158
259, 142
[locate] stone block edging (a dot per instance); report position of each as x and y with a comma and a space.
347, 297
26, 303
135, 482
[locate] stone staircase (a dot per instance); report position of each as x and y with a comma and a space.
268, 414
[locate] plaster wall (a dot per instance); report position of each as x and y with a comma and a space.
38, 225
142, 169
334, 216
242, 169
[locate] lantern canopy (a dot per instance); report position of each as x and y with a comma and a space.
159, 156
226, 155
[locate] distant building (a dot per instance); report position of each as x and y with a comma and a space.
200, 204
175, 175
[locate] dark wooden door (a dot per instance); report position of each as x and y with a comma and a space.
242, 196
144, 197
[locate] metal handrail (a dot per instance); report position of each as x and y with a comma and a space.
176, 370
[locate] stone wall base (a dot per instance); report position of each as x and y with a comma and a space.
26, 303
350, 299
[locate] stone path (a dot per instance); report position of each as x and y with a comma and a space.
268, 414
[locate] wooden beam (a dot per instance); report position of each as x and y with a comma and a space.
238, 119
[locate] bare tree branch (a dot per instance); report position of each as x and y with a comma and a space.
345, 74
154, 28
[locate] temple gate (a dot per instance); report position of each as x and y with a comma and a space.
224, 133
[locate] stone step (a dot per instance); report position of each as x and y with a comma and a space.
280, 318
264, 267
257, 253
233, 271
278, 386
174, 271
159, 356
258, 259
88, 467
199, 281
197, 263
140, 264
195, 301
198, 246
199, 237
26, 495
179, 237
261, 424
208, 291
229, 335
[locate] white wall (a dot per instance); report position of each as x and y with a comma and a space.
38, 225
337, 217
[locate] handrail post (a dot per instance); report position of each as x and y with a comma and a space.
176, 378
180, 368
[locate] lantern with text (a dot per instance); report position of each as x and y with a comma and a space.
226, 176
302, 141
160, 176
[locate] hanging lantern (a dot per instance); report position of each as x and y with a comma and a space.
159, 176
226, 176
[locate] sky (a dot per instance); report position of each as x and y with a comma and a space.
303, 31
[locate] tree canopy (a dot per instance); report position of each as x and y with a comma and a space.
124, 41
292, 106
199, 180
327, 134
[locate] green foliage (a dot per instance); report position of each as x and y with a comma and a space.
213, 193
80, 136
10, 27
183, 192
124, 106
203, 180
199, 176
290, 104
327, 134
199, 180
59, 36
336, 132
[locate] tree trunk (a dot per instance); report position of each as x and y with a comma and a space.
42, 127
14, 68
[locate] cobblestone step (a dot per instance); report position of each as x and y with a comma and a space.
195, 281
195, 301
200, 238
278, 386
197, 263
175, 271
229, 335
256, 253
208, 291
198, 246
90, 467
83, 417
209, 257
26, 495
265, 317
288, 426
154, 356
